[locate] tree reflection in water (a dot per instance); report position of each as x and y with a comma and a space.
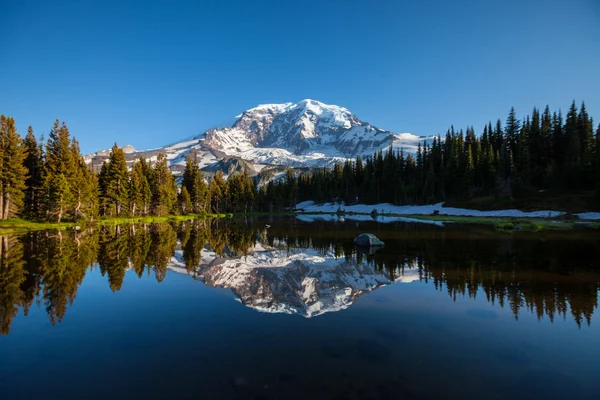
551, 277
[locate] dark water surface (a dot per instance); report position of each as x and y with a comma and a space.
233, 309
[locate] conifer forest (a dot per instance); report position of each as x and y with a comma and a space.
48, 179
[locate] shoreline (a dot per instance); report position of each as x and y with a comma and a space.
16, 225
500, 223
500, 219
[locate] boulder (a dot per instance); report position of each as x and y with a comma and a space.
367, 240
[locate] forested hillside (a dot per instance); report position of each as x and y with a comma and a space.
545, 151
48, 180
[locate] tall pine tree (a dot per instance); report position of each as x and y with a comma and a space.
34, 162
115, 183
13, 172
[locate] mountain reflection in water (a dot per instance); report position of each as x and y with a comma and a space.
306, 268
301, 281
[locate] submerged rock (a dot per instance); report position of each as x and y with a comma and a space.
367, 239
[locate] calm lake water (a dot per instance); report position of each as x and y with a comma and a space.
288, 308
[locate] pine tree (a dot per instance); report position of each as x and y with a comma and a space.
58, 173
164, 190
249, 192
85, 187
115, 183
184, 200
216, 193
13, 172
193, 182
586, 139
59, 196
34, 163
512, 130
139, 194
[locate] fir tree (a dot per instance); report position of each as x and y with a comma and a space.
194, 183
115, 183
164, 190
217, 192
13, 172
58, 173
34, 163
185, 203
139, 194
512, 130
85, 187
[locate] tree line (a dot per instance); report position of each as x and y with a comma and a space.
544, 151
50, 181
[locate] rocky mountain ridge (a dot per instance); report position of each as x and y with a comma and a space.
265, 138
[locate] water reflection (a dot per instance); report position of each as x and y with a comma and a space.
305, 268
301, 281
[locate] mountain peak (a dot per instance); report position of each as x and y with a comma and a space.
316, 103
314, 106
307, 133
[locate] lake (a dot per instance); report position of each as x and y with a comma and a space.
288, 308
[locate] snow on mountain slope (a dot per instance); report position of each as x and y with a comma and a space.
302, 129
297, 281
304, 134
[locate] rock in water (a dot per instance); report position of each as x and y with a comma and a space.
367, 239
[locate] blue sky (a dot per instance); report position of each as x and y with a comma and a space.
149, 73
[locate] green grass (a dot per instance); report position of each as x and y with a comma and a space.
153, 219
20, 226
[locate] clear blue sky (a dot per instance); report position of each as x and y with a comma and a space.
148, 73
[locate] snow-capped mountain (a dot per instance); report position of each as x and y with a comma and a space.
303, 282
304, 134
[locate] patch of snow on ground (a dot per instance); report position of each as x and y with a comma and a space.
591, 216
182, 145
386, 208
363, 217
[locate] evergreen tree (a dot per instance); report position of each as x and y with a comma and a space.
13, 172
194, 183
58, 173
216, 193
512, 130
185, 202
139, 194
85, 187
115, 183
164, 189
34, 162
572, 138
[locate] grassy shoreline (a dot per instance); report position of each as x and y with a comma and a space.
16, 226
